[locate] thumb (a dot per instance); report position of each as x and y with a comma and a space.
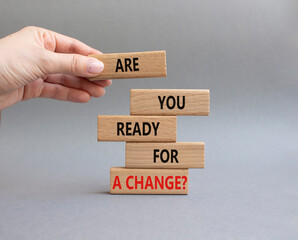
74, 64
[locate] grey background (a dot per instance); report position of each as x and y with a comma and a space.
54, 175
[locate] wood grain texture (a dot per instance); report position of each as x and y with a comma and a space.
148, 181
165, 155
148, 64
163, 129
165, 102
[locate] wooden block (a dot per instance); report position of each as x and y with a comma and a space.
148, 181
165, 155
132, 65
169, 102
136, 128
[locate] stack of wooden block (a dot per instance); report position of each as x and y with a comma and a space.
154, 162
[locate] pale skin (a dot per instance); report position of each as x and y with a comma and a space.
36, 62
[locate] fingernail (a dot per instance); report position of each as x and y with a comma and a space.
94, 66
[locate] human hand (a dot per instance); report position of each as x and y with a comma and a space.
37, 62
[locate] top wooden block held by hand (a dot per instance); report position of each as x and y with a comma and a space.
132, 65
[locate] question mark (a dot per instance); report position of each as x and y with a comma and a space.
185, 179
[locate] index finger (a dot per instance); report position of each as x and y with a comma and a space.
65, 44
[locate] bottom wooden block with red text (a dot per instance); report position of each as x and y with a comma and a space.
148, 181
